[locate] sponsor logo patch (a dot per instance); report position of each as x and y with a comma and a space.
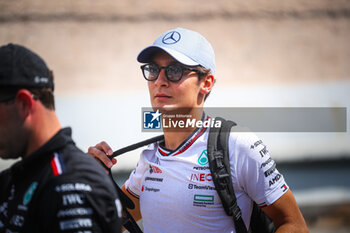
270, 170
154, 169
266, 162
275, 179
3, 208
74, 212
203, 158
201, 168
154, 179
17, 220
257, 143
29, 193
284, 187
201, 187
263, 151
201, 177
73, 187
75, 224
149, 189
72, 199
203, 200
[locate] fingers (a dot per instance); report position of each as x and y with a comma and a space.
114, 160
105, 147
100, 152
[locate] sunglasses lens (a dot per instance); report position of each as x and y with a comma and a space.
150, 72
174, 72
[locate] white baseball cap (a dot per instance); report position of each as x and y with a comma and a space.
186, 46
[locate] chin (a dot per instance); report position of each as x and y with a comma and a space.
164, 107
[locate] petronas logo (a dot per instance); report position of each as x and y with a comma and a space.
203, 158
29, 194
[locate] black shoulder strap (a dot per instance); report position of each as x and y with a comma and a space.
219, 164
136, 145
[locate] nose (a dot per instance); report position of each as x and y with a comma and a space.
162, 79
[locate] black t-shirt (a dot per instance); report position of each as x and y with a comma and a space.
58, 188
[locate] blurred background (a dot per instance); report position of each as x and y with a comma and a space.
269, 53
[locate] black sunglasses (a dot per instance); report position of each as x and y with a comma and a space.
173, 72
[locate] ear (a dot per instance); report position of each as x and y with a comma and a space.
24, 102
207, 84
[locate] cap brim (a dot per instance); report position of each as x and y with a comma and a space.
147, 53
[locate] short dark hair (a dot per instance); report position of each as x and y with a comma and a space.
44, 95
203, 72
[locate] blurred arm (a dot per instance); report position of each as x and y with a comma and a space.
286, 215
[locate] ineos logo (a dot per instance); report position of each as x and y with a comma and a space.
171, 37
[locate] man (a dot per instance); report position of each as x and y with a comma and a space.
55, 187
172, 184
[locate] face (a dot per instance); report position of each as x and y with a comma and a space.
12, 134
165, 94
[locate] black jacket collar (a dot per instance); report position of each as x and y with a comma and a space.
40, 156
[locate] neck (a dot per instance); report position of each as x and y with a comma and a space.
42, 129
175, 135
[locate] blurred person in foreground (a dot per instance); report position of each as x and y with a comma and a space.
172, 187
55, 187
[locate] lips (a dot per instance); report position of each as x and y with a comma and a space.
162, 96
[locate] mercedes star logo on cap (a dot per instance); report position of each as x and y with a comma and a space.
171, 37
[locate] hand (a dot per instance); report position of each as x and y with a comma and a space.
100, 152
